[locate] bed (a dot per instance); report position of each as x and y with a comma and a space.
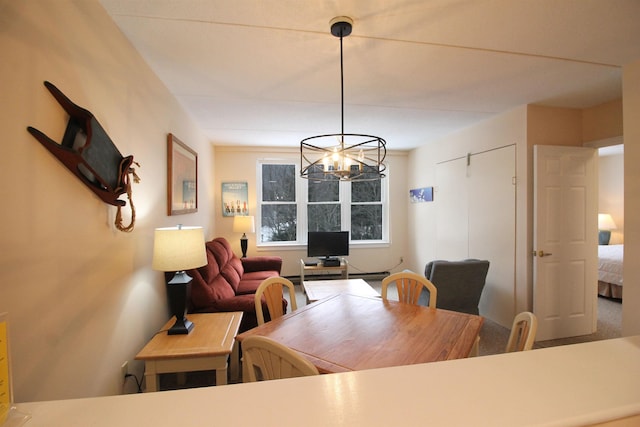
610, 270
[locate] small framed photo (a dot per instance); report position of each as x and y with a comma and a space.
182, 177
420, 195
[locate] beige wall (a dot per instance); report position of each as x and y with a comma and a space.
241, 163
602, 121
631, 105
611, 192
81, 296
554, 126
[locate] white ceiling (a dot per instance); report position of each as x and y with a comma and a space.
267, 72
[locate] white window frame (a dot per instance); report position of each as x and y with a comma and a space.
301, 209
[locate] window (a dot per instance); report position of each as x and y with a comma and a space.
323, 205
366, 210
278, 208
291, 206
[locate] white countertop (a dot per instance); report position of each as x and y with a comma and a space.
579, 384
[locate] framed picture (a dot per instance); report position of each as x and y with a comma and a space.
182, 177
235, 199
419, 195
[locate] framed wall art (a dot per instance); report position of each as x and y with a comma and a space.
182, 177
235, 199
420, 195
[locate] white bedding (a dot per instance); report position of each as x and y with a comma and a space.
610, 263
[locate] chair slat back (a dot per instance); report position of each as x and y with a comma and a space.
272, 289
523, 332
410, 286
267, 359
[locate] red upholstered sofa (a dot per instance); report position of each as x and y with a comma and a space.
228, 283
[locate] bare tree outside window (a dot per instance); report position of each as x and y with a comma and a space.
366, 210
323, 217
323, 208
278, 211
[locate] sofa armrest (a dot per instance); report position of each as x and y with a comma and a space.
262, 263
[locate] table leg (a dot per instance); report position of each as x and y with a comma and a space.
151, 378
221, 376
234, 362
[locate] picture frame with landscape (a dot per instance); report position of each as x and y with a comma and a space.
182, 177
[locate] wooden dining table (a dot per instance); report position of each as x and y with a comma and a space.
346, 332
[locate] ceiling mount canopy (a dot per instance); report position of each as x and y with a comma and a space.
344, 156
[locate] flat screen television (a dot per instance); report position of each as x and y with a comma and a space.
327, 244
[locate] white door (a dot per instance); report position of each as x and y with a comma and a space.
565, 241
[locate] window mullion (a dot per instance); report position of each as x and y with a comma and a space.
345, 202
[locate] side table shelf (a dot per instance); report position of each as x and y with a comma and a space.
343, 268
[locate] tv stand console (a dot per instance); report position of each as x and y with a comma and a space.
342, 268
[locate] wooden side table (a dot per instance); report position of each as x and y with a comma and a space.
207, 347
343, 268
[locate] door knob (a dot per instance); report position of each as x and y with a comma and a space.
541, 253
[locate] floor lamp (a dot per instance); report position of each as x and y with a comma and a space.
176, 249
244, 225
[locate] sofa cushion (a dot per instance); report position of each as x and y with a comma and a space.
230, 265
205, 293
251, 280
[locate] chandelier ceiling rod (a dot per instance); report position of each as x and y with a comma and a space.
356, 156
341, 90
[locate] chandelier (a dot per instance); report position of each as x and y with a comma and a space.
343, 156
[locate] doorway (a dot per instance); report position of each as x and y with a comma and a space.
611, 201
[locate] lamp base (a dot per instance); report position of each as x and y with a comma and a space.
181, 327
603, 237
243, 245
178, 292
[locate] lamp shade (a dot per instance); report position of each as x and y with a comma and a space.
244, 224
178, 248
605, 222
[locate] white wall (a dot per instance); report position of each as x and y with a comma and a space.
81, 296
240, 164
504, 129
631, 107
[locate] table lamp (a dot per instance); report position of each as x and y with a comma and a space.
605, 225
244, 225
179, 249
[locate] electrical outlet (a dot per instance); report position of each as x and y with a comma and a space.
125, 369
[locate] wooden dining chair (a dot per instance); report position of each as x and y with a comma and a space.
409, 286
272, 289
266, 359
523, 332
